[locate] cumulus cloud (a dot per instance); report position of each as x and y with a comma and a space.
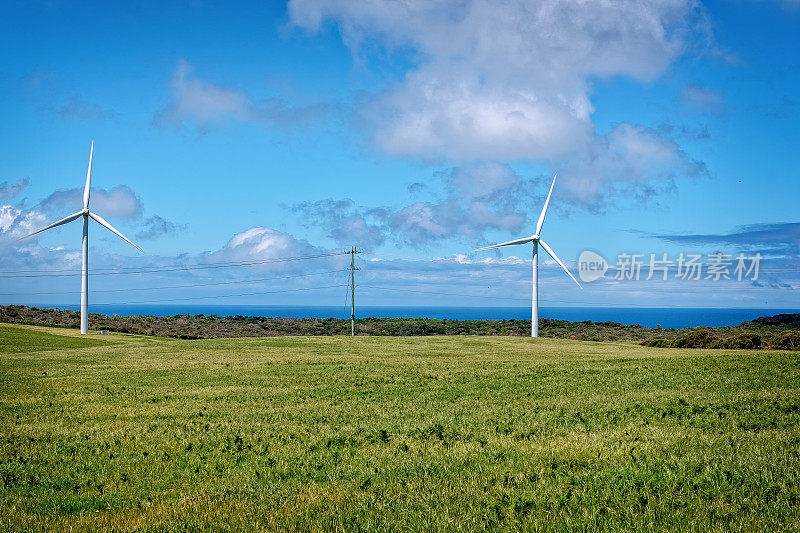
266, 244
157, 226
16, 222
631, 162
434, 119
10, 190
119, 201
512, 79
345, 223
478, 197
204, 104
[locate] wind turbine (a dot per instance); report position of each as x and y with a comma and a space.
536, 240
86, 214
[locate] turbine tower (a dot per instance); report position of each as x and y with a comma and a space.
536, 240
86, 214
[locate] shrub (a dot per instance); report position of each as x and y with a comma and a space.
743, 341
788, 340
699, 338
658, 343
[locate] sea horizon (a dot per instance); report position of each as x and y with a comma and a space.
666, 317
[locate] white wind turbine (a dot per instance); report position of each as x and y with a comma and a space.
536, 240
86, 214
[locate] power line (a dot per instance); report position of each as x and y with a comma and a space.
145, 270
181, 268
548, 264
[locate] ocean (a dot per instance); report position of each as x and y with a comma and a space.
648, 317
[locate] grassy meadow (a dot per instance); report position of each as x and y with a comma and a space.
393, 434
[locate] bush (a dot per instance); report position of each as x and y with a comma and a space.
699, 338
743, 341
788, 340
658, 343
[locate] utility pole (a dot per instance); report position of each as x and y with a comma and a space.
353, 252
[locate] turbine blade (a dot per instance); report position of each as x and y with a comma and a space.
544, 209
554, 256
109, 227
509, 243
88, 179
63, 221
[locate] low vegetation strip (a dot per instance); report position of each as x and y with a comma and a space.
393, 434
780, 332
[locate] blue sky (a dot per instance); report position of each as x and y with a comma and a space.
417, 131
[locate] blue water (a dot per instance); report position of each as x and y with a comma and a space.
648, 317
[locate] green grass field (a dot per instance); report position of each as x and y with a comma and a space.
393, 434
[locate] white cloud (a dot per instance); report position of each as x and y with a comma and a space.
271, 250
630, 162
201, 101
14, 254
16, 222
258, 243
119, 201
265, 243
511, 79
477, 197
435, 118
205, 104
504, 78
344, 222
